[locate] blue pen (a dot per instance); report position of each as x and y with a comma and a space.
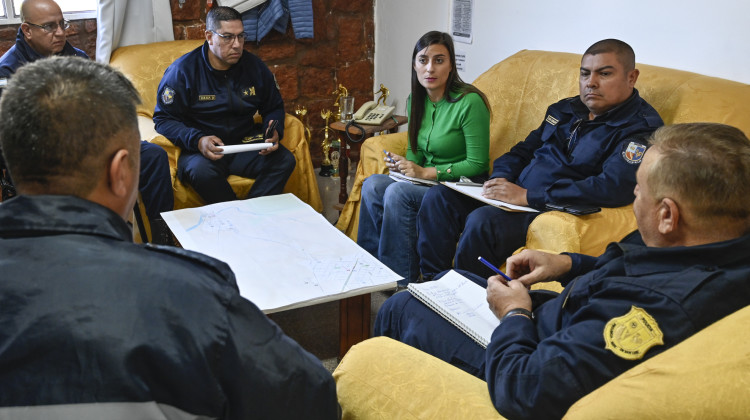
390, 159
493, 268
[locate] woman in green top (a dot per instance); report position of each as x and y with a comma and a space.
449, 131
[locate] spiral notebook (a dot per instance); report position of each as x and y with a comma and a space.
460, 301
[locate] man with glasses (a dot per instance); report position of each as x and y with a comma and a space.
42, 34
208, 99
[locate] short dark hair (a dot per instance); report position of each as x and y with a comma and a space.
220, 14
61, 117
706, 166
622, 50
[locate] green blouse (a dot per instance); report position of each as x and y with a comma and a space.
454, 137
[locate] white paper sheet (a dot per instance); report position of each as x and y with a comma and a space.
283, 253
476, 192
239, 148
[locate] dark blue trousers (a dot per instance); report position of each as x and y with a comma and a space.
405, 318
454, 230
155, 182
209, 177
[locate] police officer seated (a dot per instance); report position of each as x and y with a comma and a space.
585, 152
208, 98
686, 267
94, 326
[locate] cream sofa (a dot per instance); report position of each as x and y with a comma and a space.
704, 377
144, 65
519, 90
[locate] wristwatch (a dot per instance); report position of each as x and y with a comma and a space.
517, 311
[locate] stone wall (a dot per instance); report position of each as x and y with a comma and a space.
308, 70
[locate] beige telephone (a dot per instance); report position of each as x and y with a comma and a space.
373, 114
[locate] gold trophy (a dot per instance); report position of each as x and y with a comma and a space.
326, 169
384, 92
339, 92
301, 112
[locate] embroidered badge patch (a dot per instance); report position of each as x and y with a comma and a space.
251, 139
204, 98
167, 96
634, 152
249, 91
631, 335
552, 120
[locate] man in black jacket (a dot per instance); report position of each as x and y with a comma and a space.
94, 326
42, 34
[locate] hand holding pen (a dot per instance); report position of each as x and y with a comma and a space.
493, 268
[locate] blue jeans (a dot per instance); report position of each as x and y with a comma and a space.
388, 223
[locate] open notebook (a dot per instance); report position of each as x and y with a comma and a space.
462, 302
419, 181
476, 193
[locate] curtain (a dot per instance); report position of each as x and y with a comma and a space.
128, 22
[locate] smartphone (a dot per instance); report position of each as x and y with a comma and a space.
271, 128
577, 209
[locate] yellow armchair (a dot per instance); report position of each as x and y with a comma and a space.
144, 65
705, 376
521, 87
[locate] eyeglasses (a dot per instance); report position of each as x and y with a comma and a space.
229, 38
52, 27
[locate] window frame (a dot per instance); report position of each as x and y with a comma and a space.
11, 19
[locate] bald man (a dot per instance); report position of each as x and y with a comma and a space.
42, 34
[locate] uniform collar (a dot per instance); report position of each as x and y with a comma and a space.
641, 259
26, 215
616, 116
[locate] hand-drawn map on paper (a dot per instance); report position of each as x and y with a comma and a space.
283, 253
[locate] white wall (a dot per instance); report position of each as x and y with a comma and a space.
707, 37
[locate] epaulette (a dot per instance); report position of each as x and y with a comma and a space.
220, 267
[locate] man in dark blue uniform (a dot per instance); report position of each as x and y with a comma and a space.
42, 34
94, 326
208, 98
686, 267
586, 151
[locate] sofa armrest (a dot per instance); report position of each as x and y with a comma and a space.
370, 162
703, 377
563, 232
381, 378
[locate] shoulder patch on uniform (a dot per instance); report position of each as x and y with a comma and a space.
631, 335
634, 153
249, 91
167, 95
551, 120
